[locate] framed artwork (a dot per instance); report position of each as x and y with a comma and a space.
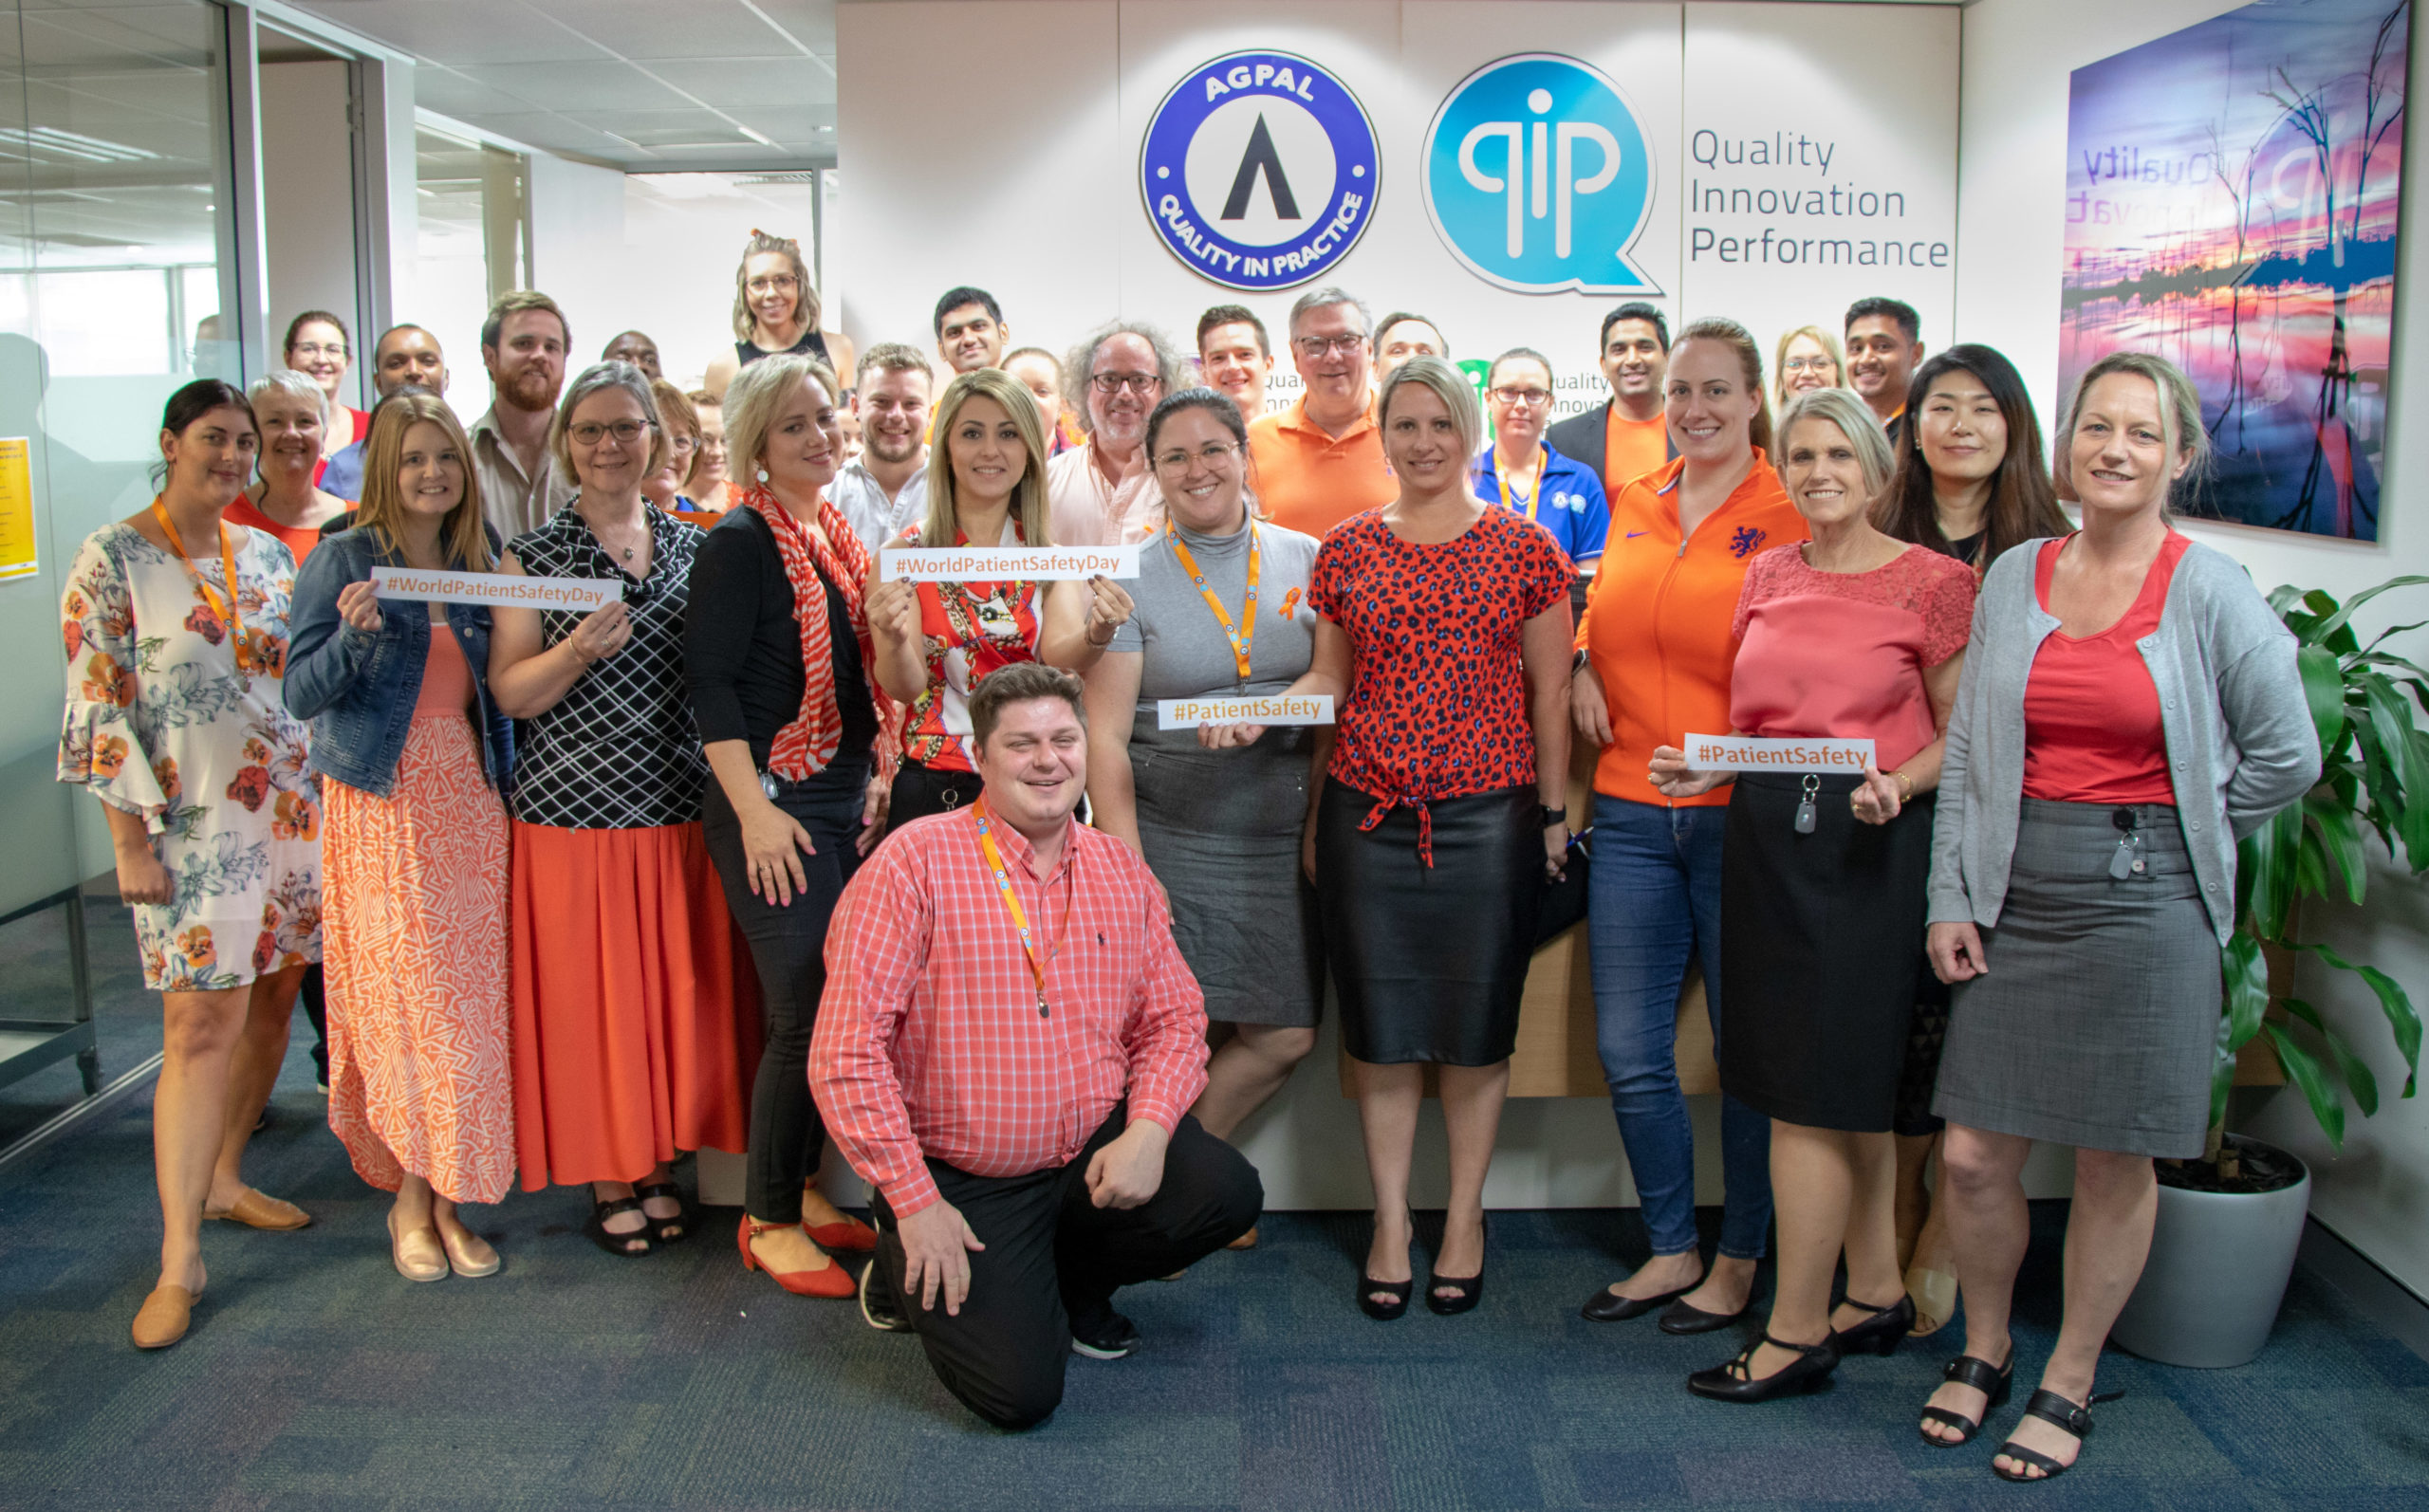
2231, 194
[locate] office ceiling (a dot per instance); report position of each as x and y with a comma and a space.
646, 86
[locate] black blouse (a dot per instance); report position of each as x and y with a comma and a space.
742, 645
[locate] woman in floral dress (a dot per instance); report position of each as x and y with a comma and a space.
175, 722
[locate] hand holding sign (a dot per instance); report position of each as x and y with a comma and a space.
1109, 609
1670, 777
602, 633
1881, 797
358, 606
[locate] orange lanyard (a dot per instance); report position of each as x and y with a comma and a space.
1243, 641
1501, 481
994, 859
226, 611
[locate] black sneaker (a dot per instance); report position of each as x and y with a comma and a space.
878, 1306
1109, 1338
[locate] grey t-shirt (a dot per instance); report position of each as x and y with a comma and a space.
1186, 653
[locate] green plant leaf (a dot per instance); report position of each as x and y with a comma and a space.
2337, 617
2303, 1070
2340, 841
2360, 1081
2268, 858
2323, 691
2282, 597
2247, 981
2394, 630
2393, 1002
2222, 1079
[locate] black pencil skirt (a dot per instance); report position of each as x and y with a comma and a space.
1430, 961
1821, 937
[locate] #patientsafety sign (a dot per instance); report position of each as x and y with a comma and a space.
1749, 753
496, 590
999, 564
1270, 708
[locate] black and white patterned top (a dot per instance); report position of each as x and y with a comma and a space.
619, 750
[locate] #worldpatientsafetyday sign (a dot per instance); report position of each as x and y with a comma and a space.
999, 564
496, 590
1270, 708
1748, 753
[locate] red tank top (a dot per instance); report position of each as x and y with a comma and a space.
2091, 713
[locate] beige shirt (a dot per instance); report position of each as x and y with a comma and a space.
514, 503
1085, 511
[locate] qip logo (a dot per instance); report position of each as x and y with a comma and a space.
1538, 176
1259, 170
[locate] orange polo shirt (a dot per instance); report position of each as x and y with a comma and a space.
1308, 481
1631, 449
1657, 615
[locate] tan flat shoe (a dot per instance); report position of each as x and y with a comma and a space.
256, 1211
1247, 1241
163, 1319
468, 1254
418, 1254
1935, 1295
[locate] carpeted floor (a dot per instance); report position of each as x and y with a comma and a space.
317, 1379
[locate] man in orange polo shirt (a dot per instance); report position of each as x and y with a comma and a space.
1321, 461
1626, 437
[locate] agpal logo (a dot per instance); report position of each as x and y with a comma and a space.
1538, 177
1259, 170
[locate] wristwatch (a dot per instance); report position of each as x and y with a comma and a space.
1577, 663
1550, 816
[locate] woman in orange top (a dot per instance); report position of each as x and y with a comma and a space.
1654, 664
283, 502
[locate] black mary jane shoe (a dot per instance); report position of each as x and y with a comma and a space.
1683, 1316
1734, 1382
1991, 1380
621, 1245
1396, 1290
667, 1229
1608, 1307
1881, 1334
2050, 1408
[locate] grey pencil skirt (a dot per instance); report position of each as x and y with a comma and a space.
2097, 1021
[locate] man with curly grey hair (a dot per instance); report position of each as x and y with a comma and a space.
1101, 494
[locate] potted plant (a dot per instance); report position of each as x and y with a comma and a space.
2229, 1221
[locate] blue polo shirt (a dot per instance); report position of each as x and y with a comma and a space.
1572, 506
343, 475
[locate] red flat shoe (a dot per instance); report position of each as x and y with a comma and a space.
830, 1280
850, 1234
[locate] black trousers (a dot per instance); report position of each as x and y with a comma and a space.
315, 996
919, 791
1052, 1256
788, 948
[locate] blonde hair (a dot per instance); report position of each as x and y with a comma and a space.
1749, 359
752, 401
1779, 361
2181, 427
1029, 500
1448, 384
1855, 421
805, 306
598, 378
463, 536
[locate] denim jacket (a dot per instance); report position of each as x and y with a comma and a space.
358, 688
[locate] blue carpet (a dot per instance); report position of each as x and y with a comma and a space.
317, 1380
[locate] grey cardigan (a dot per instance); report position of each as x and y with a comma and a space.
2240, 744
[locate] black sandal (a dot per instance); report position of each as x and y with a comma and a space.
2050, 1408
667, 1229
621, 1245
1991, 1380
1396, 1290
1466, 1291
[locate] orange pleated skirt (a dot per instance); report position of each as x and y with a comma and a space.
635, 1011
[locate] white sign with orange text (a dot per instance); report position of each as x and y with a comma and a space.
1272, 708
497, 589
1749, 754
999, 564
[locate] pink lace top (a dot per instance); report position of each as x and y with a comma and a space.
1843, 653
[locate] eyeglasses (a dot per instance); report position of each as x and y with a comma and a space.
773, 284
336, 350
1116, 383
1523, 396
682, 445
1800, 365
1213, 455
589, 433
1314, 347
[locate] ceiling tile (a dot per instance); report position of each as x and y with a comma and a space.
452, 94
575, 85
812, 21
463, 31
656, 29
791, 80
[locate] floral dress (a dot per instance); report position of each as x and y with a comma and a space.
169, 721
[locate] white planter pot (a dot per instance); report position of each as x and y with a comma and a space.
2219, 1268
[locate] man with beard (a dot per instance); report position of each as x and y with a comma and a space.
1628, 436
1882, 351
522, 344
1101, 494
1321, 460
406, 354
884, 489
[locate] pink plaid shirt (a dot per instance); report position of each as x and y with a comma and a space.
929, 1042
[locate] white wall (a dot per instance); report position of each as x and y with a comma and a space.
578, 256
2011, 191
307, 191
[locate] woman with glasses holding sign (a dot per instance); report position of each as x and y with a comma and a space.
935, 641
1521, 471
1851, 635
628, 1044
412, 752
1222, 612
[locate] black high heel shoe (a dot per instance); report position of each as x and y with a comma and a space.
1384, 1312
1734, 1382
1466, 1291
1881, 1334
1991, 1380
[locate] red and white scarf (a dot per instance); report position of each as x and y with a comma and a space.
804, 747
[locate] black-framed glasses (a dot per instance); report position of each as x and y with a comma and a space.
1116, 383
1313, 347
590, 432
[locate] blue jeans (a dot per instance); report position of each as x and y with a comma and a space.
1654, 896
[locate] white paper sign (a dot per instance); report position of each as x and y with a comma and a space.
999, 564
1747, 753
497, 589
1269, 709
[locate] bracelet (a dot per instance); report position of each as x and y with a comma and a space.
1906, 786
1110, 632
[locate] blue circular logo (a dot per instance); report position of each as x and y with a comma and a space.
1538, 177
1259, 170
